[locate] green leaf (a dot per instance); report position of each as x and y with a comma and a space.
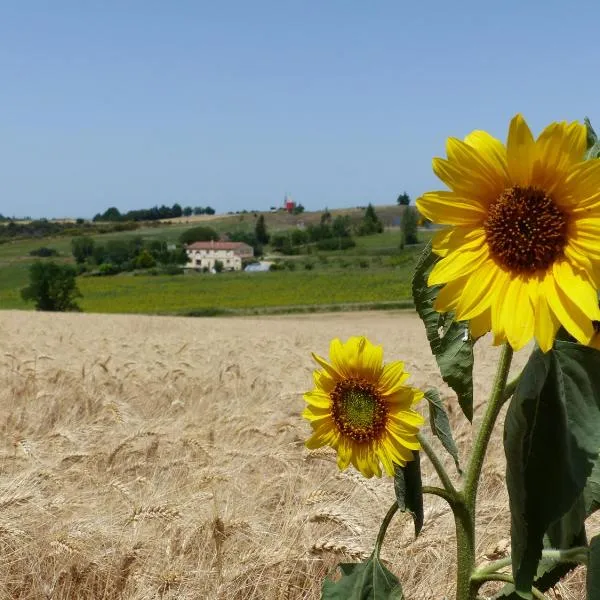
567, 532
591, 494
409, 491
440, 424
453, 350
369, 580
593, 570
551, 440
593, 144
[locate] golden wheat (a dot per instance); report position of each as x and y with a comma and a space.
150, 457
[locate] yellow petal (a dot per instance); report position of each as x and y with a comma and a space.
517, 313
447, 208
558, 148
464, 182
476, 297
582, 188
521, 151
448, 297
577, 323
595, 341
481, 324
454, 238
318, 398
546, 324
324, 435
358, 357
457, 264
386, 459
344, 451
329, 370
493, 152
392, 377
498, 294
469, 157
578, 288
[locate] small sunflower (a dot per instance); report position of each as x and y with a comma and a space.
363, 409
522, 254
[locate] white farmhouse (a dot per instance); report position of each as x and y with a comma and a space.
203, 255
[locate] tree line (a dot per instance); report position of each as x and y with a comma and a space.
156, 213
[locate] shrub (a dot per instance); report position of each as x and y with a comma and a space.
82, 248
309, 266
144, 260
52, 287
43, 252
219, 266
107, 269
363, 264
410, 217
339, 243
198, 234
290, 265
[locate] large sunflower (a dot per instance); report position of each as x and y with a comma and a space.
363, 408
522, 254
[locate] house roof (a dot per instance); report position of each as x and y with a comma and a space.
219, 246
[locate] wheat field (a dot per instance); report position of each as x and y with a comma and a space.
162, 457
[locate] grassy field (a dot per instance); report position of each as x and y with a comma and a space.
182, 294
163, 458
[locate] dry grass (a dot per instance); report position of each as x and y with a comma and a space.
147, 457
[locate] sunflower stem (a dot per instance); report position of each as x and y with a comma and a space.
537, 594
437, 465
441, 493
464, 512
383, 529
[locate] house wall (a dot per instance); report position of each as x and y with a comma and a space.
199, 259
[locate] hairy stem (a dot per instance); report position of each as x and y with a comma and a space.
577, 555
384, 525
437, 464
441, 493
508, 579
464, 513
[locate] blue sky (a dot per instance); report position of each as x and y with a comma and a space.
233, 104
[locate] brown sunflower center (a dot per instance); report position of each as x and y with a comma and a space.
525, 230
358, 410
596, 325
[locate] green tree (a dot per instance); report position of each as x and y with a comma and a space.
219, 266
52, 287
187, 211
82, 248
144, 260
198, 234
403, 199
341, 226
326, 217
260, 231
410, 218
370, 223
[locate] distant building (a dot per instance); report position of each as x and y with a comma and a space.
289, 204
203, 255
259, 267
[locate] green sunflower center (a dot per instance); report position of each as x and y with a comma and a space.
358, 410
525, 230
